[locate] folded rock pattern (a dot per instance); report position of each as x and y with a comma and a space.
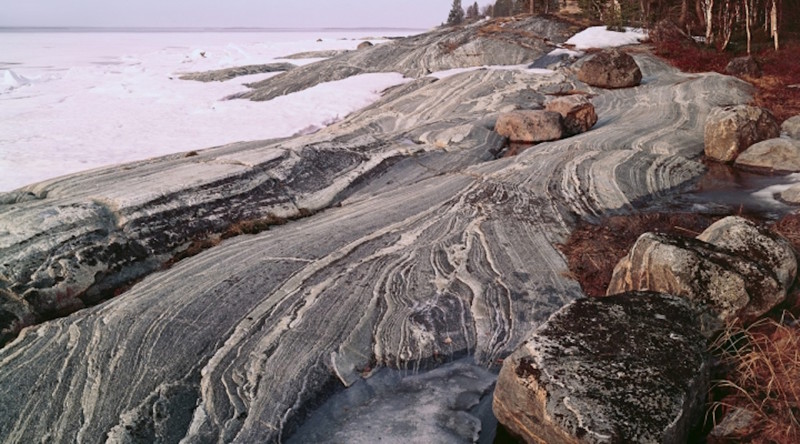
436, 250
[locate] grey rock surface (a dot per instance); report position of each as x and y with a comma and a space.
414, 245
510, 43
626, 368
772, 155
610, 68
220, 75
791, 127
530, 126
756, 243
577, 111
323, 54
724, 284
730, 130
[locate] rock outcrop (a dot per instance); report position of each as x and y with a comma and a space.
626, 368
577, 111
771, 155
731, 130
791, 127
221, 75
732, 270
530, 126
507, 43
365, 45
610, 68
413, 245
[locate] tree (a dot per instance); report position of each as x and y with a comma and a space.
456, 14
503, 8
488, 10
473, 12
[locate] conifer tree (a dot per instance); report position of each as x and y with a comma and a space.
456, 14
503, 8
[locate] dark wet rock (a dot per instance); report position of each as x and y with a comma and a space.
771, 155
724, 284
732, 129
743, 66
365, 45
413, 246
220, 75
791, 127
756, 243
530, 126
552, 61
610, 68
577, 111
626, 368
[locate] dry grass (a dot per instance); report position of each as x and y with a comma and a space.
763, 377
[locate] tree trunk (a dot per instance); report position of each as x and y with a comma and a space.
708, 8
684, 13
747, 22
773, 18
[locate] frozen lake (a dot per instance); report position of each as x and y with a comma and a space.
72, 101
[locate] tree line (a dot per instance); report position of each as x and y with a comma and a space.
717, 22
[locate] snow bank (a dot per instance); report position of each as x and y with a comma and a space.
11, 80
600, 37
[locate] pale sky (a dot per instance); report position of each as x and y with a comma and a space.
225, 13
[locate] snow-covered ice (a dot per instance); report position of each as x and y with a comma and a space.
73, 101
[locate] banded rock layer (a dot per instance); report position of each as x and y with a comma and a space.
427, 249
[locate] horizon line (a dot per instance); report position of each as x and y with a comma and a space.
203, 28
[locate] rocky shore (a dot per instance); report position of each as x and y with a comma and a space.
409, 245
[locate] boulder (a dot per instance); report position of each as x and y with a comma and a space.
791, 127
735, 426
722, 284
746, 239
730, 130
775, 155
530, 125
364, 45
743, 66
577, 111
791, 195
610, 68
626, 368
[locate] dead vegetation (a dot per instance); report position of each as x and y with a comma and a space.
763, 377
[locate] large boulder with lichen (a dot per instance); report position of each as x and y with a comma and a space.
730, 130
610, 68
530, 125
576, 110
626, 368
733, 270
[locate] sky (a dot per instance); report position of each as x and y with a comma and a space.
225, 13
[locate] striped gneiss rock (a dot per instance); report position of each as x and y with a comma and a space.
414, 246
